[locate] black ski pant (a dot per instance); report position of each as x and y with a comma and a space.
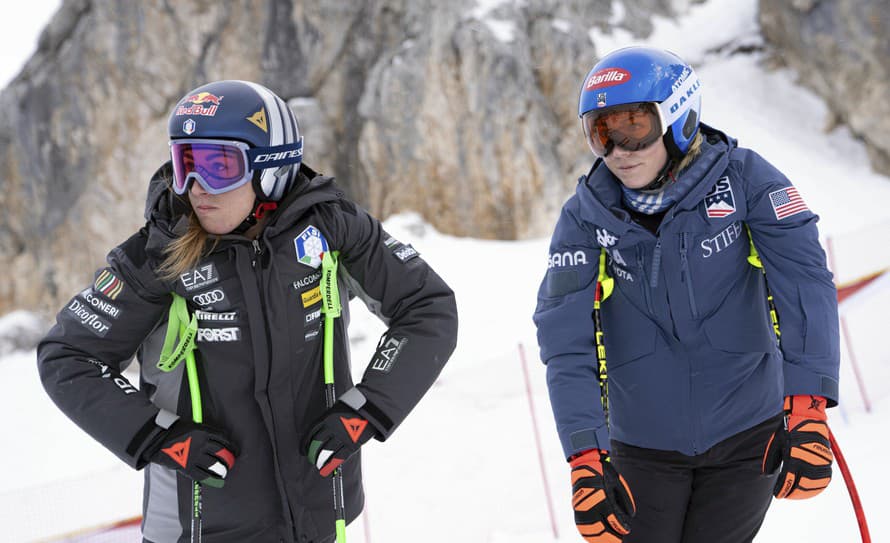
719, 496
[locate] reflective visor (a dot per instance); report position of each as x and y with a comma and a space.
629, 126
219, 166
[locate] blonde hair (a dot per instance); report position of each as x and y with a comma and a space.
691, 154
184, 253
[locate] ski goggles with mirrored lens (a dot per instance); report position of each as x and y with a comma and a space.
629, 126
223, 165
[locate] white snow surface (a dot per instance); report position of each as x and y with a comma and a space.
464, 465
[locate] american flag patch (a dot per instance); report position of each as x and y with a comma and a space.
787, 202
719, 202
108, 284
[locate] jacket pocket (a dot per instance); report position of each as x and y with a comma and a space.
820, 323
629, 333
741, 324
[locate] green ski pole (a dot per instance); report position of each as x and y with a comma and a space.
331, 310
179, 323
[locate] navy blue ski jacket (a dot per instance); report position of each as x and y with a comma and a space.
692, 355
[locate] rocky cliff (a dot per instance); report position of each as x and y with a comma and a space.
462, 111
841, 50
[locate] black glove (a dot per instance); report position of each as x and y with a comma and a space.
199, 452
335, 436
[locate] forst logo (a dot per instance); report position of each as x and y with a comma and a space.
607, 77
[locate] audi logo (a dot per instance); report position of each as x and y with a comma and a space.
210, 297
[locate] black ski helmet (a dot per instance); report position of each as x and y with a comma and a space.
243, 111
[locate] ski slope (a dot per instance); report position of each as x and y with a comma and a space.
464, 466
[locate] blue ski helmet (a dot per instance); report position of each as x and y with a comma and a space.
639, 74
250, 113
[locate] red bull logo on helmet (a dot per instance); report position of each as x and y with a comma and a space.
607, 77
196, 104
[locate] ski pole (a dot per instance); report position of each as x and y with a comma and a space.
179, 324
604, 286
851, 488
191, 369
331, 310
754, 259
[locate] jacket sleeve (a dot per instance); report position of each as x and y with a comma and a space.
785, 235
95, 336
566, 335
417, 306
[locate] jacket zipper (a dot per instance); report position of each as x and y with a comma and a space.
656, 265
643, 284
257, 253
686, 274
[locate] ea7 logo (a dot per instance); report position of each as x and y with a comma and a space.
201, 277
387, 353
568, 258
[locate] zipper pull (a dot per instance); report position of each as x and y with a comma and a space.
684, 261
257, 251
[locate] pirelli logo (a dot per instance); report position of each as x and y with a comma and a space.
311, 297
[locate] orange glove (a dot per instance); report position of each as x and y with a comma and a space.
601, 498
802, 448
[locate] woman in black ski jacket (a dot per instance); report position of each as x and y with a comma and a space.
237, 228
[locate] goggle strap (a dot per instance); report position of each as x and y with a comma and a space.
277, 155
686, 91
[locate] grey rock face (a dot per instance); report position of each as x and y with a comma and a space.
841, 50
464, 113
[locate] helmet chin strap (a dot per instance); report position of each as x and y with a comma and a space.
260, 210
664, 177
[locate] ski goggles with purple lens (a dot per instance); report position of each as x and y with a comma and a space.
224, 165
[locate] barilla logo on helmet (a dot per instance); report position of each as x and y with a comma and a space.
197, 106
607, 77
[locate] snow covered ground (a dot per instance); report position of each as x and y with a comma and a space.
464, 466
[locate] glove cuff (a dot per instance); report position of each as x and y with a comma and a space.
590, 456
356, 400
806, 406
148, 439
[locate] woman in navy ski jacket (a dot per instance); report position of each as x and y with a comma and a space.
699, 389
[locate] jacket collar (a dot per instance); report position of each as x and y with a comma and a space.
167, 213
599, 192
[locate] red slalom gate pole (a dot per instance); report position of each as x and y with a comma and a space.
853, 364
851, 488
531, 406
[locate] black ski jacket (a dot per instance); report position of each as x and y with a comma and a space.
260, 346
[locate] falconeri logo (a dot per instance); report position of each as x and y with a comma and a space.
310, 246
109, 285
